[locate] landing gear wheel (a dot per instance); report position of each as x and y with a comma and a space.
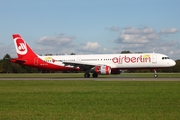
155, 75
95, 75
86, 75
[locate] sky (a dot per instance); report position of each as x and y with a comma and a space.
91, 26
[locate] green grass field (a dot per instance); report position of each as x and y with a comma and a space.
78, 75
90, 100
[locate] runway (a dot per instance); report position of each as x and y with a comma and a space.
98, 79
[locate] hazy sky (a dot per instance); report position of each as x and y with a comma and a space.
91, 26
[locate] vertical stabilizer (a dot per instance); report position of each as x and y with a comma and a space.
22, 48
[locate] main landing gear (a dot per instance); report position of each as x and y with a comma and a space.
87, 75
95, 75
155, 74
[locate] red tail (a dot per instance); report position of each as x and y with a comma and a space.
28, 58
22, 49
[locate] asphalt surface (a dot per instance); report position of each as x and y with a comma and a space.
99, 79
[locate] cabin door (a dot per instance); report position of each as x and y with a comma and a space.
154, 58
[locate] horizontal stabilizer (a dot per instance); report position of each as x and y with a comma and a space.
18, 60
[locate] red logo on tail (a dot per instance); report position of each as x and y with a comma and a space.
20, 46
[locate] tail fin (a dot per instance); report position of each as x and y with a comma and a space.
22, 49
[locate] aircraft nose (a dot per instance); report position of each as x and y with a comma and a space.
173, 63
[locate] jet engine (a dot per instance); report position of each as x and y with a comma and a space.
103, 69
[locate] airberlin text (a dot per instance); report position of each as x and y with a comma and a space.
126, 59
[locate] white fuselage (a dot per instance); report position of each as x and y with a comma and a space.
121, 61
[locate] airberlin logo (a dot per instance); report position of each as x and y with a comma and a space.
20, 46
133, 59
115, 60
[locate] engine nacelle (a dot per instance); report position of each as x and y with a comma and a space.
103, 69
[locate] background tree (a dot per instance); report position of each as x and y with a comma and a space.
6, 64
176, 68
1, 69
72, 54
124, 52
7, 67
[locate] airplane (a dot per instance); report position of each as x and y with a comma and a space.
96, 64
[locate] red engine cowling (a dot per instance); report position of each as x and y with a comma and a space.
103, 69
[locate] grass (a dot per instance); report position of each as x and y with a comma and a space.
89, 100
80, 75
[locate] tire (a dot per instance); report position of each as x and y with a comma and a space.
86, 75
155, 75
95, 75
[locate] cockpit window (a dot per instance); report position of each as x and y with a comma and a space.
163, 58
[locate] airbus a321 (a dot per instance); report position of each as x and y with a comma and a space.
95, 64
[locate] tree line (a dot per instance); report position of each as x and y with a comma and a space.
8, 67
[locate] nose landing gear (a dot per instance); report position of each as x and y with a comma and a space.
155, 74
